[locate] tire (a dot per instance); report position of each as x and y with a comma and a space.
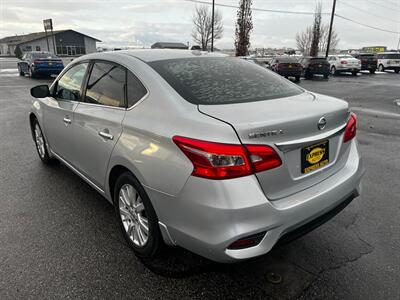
297, 78
372, 71
354, 73
397, 71
31, 73
20, 71
381, 68
40, 143
326, 76
333, 70
132, 207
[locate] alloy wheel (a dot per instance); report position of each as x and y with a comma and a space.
40, 141
133, 215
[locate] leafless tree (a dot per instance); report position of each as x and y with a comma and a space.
303, 39
244, 26
202, 22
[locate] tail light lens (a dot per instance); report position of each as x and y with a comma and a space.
223, 161
36, 61
343, 62
351, 128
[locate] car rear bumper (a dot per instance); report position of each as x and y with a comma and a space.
348, 69
290, 73
209, 215
39, 70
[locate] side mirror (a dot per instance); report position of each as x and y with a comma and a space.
40, 91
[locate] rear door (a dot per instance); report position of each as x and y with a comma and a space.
98, 119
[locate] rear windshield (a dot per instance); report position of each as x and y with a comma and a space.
286, 60
43, 55
367, 55
318, 60
225, 80
346, 56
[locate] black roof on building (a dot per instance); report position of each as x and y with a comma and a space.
166, 45
20, 39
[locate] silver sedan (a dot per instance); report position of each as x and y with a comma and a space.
211, 153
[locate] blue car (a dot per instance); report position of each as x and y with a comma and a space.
39, 63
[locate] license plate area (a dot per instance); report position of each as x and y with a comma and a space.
314, 157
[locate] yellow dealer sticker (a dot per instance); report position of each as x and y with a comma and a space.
314, 156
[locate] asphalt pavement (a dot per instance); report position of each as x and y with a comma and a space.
59, 238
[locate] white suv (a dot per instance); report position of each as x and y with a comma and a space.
389, 61
344, 63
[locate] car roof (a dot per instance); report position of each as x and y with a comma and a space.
149, 55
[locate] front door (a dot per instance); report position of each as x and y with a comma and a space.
98, 120
59, 111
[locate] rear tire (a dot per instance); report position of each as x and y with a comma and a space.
20, 71
381, 68
135, 213
372, 71
397, 71
326, 76
334, 71
31, 73
297, 79
354, 73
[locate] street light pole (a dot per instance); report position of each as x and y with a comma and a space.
330, 28
212, 26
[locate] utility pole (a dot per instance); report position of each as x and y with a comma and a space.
330, 28
212, 26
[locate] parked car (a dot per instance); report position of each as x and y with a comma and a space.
286, 66
211, 153
314, 66
368, 61
40, 63
344, 63
389, 61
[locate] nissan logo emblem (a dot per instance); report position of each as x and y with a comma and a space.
322, 123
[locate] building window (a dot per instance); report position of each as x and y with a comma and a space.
28, 48
37, 48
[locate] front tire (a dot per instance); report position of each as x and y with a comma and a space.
136, 217
354, 73
372, 71
334, 71
381, 68
40, 143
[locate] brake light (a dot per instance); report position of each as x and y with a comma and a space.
343, 62
351, 128
222, 161
36, 61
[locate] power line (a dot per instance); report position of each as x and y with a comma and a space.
368, 12
369, 26
260, 9
384, 6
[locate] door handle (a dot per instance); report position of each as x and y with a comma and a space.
67, 120
106, 135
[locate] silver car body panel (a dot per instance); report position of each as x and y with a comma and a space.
206, 216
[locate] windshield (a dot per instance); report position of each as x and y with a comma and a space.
43, 55
226, 80
393, 56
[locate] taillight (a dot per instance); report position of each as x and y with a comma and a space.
222, 161
351, 128
343, 62
36, 61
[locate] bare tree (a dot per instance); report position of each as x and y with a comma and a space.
202, 22
303, 39
244, 26
316, 31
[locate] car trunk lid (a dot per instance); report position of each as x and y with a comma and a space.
289, 125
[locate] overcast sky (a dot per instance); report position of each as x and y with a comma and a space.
143, 22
